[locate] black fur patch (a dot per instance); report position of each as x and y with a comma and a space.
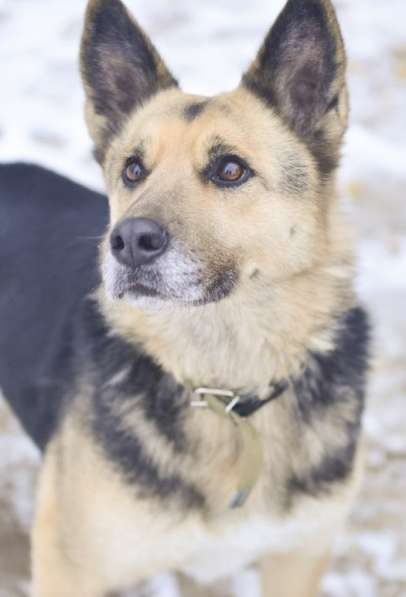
344, 368
326, 157
333, 468
50, 229
330, 381
127, 452
146, 388
192, 111
156, 393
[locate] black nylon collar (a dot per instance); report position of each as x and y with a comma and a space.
250, 404
243, 405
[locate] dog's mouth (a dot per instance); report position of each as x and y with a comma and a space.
143, 281
138, 289
171, 279
140, 282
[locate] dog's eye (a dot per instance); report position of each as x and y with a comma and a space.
134, 171
230, 171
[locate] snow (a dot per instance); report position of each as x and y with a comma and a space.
208, 44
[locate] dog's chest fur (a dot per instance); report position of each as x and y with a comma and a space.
171, 469
141, 538
142, 420
137, 533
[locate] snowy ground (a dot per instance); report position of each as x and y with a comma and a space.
207, 44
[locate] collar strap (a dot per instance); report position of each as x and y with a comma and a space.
242, 405
237, 409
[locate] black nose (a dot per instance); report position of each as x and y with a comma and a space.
135, 241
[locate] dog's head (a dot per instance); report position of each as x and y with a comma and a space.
211, 196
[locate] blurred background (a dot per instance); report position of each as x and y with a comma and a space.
207, 44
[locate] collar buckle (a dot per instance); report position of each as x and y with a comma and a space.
229, 398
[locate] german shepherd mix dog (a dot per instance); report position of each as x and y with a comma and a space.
199, 406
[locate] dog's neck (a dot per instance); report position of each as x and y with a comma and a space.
247, 341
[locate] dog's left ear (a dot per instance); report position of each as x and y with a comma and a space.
120, 69
300, 73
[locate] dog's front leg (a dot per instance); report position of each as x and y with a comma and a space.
56, 571
295, 574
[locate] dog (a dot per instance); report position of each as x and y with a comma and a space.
190, 355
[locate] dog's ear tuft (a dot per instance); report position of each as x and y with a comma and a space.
120, 69
300, 72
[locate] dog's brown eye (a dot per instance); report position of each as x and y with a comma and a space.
134, 171
231, 171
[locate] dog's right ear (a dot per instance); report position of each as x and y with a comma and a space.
120, 69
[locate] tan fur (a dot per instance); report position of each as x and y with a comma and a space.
293, 574
92, 534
